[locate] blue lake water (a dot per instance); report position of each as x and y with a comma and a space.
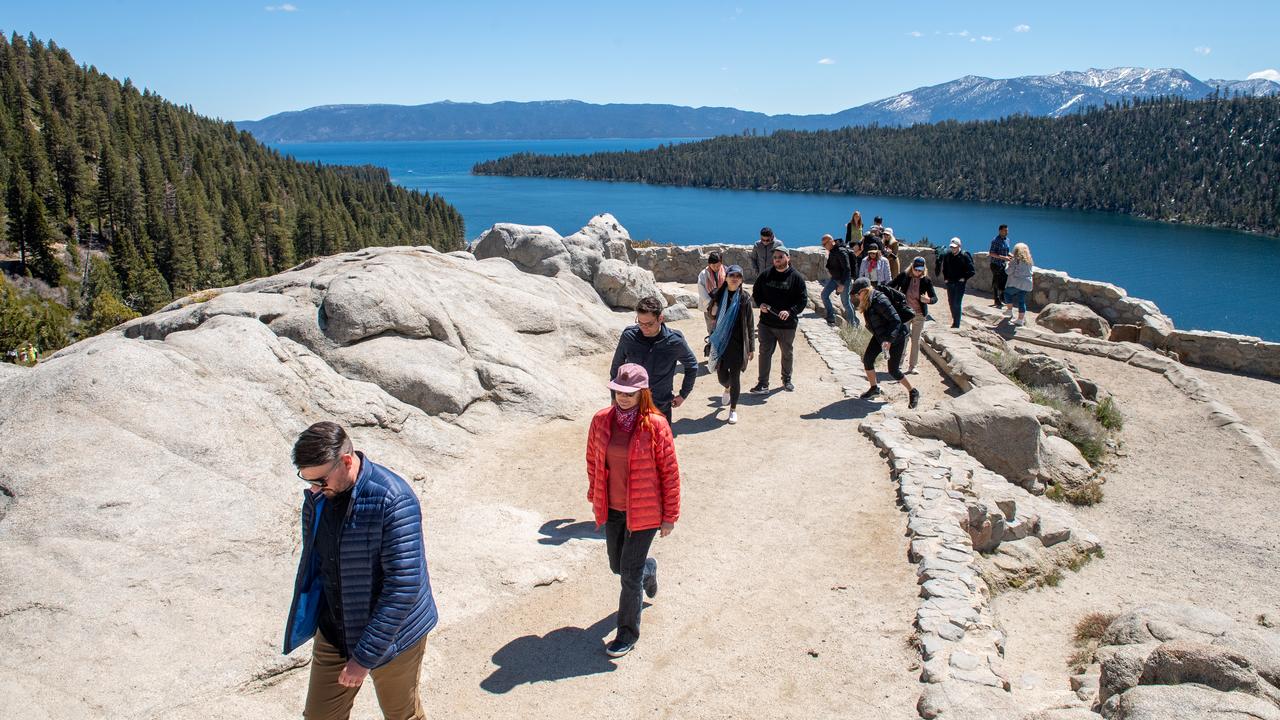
1202, 278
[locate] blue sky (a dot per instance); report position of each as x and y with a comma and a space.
245, 60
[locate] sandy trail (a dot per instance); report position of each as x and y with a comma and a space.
784, 591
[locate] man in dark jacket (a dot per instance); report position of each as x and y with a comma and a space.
955, 267
781, 295
999, 257
656, 347
362, 592
841, 278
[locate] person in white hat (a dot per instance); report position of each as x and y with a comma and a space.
955, 267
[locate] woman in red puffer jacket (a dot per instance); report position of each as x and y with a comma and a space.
633, 485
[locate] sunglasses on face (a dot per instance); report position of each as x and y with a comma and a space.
320, 481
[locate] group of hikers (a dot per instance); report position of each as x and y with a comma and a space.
363, 592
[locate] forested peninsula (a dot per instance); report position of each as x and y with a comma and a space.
116, 201
1209, 162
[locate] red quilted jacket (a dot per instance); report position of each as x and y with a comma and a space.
653, 484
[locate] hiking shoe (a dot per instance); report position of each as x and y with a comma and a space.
788, 386
733, 417
914, 398
831, 322
724, 399
1008, 311
871, 392
650, 577
760, 388
617, 648
1019, 322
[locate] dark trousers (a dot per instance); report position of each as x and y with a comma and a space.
955, 296
730, 377
999, 280
770, 339
627, 554
895, 355
665, 409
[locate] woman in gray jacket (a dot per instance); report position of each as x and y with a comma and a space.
1020, 283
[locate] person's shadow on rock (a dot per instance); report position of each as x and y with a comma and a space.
564, 653
559, 532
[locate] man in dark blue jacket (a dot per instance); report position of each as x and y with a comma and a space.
362, 591
656, 347
956, 267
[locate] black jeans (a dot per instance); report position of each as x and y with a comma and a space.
955, 296
730, 377
896, 346
770, 339
999, 280
627, 554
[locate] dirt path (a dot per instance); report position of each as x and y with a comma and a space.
784, 591
1180, 522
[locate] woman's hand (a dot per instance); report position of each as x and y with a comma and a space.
666, 528
884, 346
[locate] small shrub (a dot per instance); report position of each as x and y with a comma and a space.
1053, 579
205, 296
648, 243
1091, 627
1108, 414
1087, 494
1080, 659
856, 338
1006, 362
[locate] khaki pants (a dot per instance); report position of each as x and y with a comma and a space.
395, 683
917, 327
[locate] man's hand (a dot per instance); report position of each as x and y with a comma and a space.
666, 529
765, 309
784, 315
677, 401
839, 288
353, 674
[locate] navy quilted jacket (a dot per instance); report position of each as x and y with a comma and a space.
387, 604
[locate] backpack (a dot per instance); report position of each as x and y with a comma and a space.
899, 303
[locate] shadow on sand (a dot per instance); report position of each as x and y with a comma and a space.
559, 532
564, 653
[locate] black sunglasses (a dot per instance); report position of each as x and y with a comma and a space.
319, 482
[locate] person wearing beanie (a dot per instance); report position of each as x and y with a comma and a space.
709, 281
888, 335
781, 295
914, 283
956, 267
633, 485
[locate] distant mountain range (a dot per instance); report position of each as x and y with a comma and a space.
968, 98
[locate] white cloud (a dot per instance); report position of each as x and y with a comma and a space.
973, 39
1022, 28
962, 33
287, 7
988, 38
916, 33
1203, 50
826, 61
1270, 74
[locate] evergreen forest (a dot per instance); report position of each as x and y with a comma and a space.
114, 201
1206, 162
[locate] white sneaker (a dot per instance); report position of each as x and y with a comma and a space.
1008, 311
724, 399
1019, 322
733, 417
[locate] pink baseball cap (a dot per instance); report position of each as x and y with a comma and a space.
631, 377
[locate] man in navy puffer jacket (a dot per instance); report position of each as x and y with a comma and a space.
362, 589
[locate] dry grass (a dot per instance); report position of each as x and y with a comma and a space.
1088, 634
647, 243
855, 337
1088, 494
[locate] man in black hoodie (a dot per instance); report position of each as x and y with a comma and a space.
781, 295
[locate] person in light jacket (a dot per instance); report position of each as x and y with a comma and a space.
633, 485
709, 281
1021, 274
874, 267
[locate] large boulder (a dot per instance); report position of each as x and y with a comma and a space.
1043, 371
1186, 702
536, 249
1162, 622
1070, 316
622, 285
1121, 667
1215, 666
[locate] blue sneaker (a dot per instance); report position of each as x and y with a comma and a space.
617, 648
650, 577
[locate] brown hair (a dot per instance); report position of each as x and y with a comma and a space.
650, 306
320, 444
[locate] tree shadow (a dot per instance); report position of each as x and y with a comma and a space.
564, 653
559, 532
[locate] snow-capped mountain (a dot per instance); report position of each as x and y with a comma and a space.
981, 98
968, 98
